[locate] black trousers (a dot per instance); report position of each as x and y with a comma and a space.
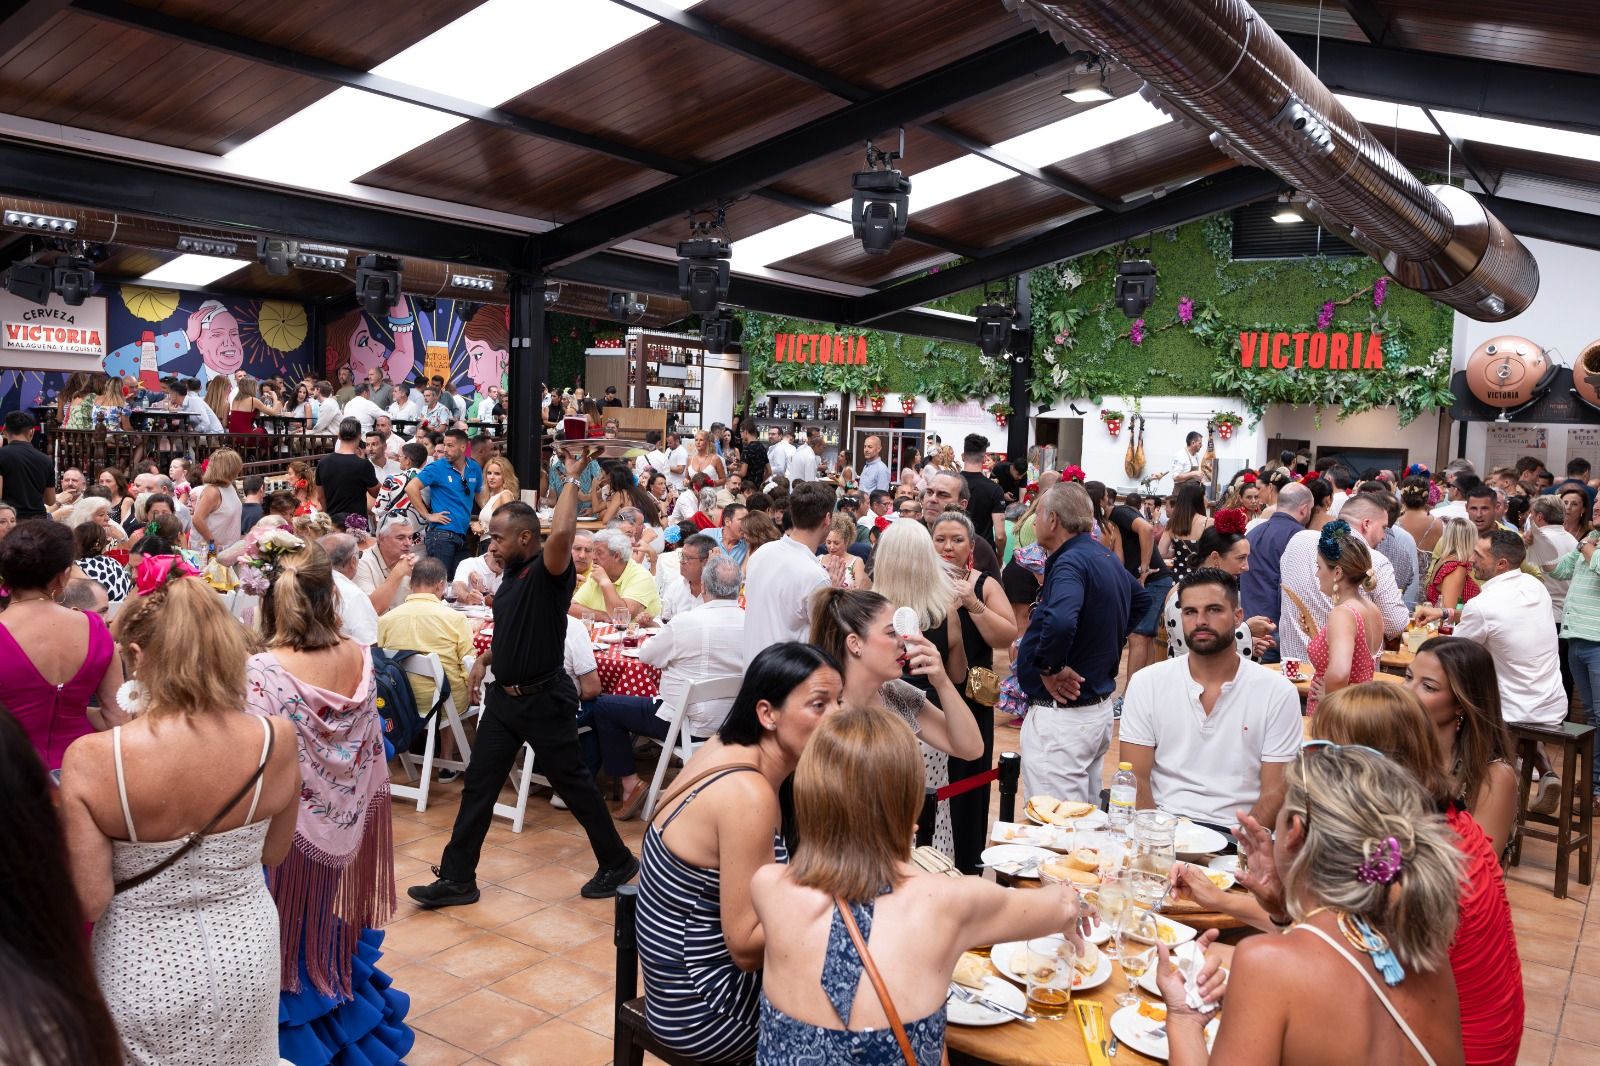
546, 720
969, 812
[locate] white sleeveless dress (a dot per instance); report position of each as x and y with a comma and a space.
188, 961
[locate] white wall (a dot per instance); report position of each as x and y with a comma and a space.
1369, 429
1168, 420
1563, 316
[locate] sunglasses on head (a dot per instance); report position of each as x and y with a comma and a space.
1323, 745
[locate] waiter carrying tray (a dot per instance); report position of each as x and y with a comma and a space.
532, 701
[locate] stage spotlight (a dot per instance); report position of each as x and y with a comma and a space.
472, 281
994, 328
703, 272
73, 281
722, 334
880, 201
627, 306
1136, 286
30, 281
277, 255
552, 295
377, 283
213, 246
41, 223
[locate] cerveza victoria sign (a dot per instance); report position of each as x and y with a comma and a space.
1311, 350
819, 348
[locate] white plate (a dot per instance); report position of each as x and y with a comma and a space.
1183, 933
1093, 820
1011, 960
1189, 953
1040, 836
611, 638
1015, 853
1228, 863
629, 653
1222, 878
1148, 1037
1003, 992
1195, 839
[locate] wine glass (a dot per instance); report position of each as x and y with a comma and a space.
620, 617
1133, 955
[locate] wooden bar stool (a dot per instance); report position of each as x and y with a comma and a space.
630, 1036
1572, 829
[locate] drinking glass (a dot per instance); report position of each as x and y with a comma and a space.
1134, 957
1113, 897
1051, 961
620, 617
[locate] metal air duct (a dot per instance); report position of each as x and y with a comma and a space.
1218, 63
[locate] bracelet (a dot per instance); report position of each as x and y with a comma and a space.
1281, 923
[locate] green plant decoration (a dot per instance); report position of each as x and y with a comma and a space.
1109, 415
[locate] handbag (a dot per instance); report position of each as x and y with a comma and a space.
983, 685
877, 981
194, 838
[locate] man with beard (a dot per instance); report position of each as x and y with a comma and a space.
1222, 749
532, 701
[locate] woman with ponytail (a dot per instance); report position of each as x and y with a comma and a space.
1346, 651
169, 819
335, 890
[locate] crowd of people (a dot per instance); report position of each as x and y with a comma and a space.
881, 621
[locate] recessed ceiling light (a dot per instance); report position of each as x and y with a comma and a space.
1287, 216
192, 270
1088, 94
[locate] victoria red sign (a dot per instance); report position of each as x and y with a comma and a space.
819, 348
1312, 350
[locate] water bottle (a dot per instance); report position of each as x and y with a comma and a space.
1124, 793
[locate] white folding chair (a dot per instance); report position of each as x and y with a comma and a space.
428, 666
712, 688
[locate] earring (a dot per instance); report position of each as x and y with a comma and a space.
1459, 720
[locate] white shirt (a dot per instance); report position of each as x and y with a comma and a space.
678, 457
488, 580
1297, 572
1208, 767
577, 654
392, 444
649, 464
202, 417
1550, 543
1182, 463
328, 416
688, 503
802, 465
405, 412
1336, 501
1510, 616
778, 584
779, 456
1446, 511
676, 599
389, 469
357, 619
697, 646
364, 411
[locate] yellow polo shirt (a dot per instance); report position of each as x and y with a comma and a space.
635, 584
425, 623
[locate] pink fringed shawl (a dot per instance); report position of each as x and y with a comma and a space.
339, 877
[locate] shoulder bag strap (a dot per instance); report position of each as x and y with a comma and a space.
680, 787
195, 838
877, 981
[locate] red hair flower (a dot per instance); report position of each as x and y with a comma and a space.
1073, 473
1249, 477
1230, 520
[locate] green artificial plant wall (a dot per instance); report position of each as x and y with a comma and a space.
1187, 342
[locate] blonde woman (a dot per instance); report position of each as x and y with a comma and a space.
1359, 855
500, 487
907, 570
1346, 651
218, 390
1024, 523
705, 459
1450, 579
845, 571
185, 934
218, 511
854, 869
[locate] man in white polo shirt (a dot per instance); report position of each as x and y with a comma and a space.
782, 577
1209, 733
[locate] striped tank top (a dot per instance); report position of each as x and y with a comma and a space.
697, 1001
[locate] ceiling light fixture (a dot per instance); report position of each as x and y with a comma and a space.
703, 262
627, 306
552, 294
276, 254
30, 281
377, 283
41, 223
1089, 92
214, 246
995, 318
722, 334
322, 257
192, 270
73, 280
1287, 213
1136, 286
880, 202
472, 281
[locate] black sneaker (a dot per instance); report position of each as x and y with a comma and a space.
603, 885
447, 776
443, 893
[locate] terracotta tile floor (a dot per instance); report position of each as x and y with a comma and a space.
525, 976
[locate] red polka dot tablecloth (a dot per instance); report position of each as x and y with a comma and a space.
622, 675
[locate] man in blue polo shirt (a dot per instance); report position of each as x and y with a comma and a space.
454, 484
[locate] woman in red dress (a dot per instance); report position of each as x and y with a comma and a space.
246, 407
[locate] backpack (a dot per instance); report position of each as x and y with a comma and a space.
403, 724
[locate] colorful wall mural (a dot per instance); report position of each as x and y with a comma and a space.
465, 343
196, 335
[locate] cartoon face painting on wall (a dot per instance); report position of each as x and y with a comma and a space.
488, 345
352, 341
212, 331
215, 332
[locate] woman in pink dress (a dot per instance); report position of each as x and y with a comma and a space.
1346, 651
53, 659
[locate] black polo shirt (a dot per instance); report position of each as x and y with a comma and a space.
27, 473
530, 622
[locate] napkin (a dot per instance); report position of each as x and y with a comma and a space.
1191, 987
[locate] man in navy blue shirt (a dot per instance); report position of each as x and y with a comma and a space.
454, 484
1259, 586
1068, 660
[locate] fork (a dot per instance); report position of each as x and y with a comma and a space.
967, 995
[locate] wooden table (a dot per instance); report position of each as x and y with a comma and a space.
1304, 687
1397, 661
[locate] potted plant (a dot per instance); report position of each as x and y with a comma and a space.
1226, 423
1001, 412
1113, 421
908, 403
876, 399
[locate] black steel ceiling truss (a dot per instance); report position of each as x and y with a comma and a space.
731, 40
1480, 174
1371, 18
929, 94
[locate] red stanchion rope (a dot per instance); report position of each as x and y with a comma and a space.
967, 784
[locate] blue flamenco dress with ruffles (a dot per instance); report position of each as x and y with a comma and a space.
367, 1029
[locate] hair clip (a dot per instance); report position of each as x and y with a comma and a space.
1330, 545
1383, 865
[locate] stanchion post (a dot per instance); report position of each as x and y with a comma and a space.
1010, 767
